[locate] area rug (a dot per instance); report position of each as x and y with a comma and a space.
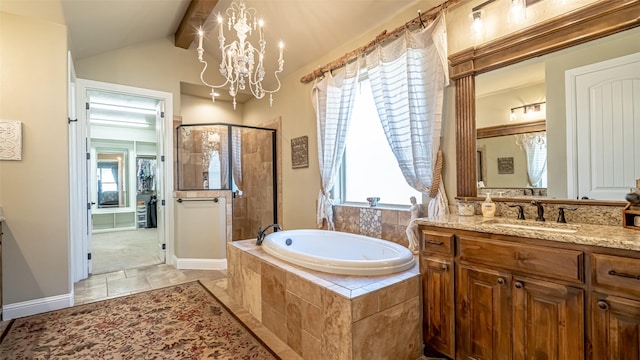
179, 322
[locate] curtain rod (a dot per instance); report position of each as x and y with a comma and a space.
342, 61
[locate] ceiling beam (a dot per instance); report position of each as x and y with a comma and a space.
194, 18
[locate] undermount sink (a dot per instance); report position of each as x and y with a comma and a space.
533, 225
536, 228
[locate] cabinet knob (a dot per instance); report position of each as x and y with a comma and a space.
501, 281
519, 285
445, 267
602, 305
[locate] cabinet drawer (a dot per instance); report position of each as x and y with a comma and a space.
539, 260
617, 272
436, 242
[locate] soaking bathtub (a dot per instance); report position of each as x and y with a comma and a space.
339, 252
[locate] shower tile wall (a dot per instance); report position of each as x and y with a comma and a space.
190, 157
384, 224
257, 185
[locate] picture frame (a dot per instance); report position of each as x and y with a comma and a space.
10, 140
505, 165
300, 152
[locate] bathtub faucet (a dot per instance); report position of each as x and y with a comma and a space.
263, 232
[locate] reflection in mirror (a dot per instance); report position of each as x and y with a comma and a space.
112, 191
511, 149
543, 79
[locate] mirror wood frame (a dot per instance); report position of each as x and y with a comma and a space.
588, 23
511, 129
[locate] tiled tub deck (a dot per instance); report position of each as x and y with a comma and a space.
326, 316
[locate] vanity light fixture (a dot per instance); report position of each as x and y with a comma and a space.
517, 12
242, 64
527, 109
477, 26
515, 15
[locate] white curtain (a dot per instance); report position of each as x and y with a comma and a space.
333, 98
407, 78
535, 147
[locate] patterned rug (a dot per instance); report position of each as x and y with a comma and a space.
179, 322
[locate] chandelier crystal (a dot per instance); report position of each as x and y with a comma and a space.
242, 63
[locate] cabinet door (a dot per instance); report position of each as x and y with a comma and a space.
616, 328
548, 320
438, 305
483, 309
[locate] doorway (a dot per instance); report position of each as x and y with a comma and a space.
124, 178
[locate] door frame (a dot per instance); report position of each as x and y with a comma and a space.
78, 205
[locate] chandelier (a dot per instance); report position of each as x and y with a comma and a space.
242, 64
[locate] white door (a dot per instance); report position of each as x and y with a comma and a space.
160, 191
604, 118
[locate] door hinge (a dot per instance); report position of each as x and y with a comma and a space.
162, 202
87, 106
164, 246
162, 158
89, 256
88, 156
88, 206
162, 114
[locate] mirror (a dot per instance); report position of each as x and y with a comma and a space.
111, 175
553, 46
511, 137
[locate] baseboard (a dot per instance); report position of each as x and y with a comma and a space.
37, 306
201, 264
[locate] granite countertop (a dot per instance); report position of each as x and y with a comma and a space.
616, 237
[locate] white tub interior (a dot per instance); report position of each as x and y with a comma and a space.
339, 252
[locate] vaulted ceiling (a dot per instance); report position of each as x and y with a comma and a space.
309, 28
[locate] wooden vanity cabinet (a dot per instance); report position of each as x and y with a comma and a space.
511, 300
615, 308
505, 313
483, 314
436, 267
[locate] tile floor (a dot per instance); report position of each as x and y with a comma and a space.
119, 250
130, 281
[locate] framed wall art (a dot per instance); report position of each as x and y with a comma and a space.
505, 165
10, 140
300, 152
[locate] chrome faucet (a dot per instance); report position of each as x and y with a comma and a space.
540, 216
262, 233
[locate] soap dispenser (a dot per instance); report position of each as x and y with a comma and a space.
488, 207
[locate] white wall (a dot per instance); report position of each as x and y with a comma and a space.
156, 65
495, 109
197, 110
34, 192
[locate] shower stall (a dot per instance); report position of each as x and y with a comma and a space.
235, 158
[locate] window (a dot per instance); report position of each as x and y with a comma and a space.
369, 167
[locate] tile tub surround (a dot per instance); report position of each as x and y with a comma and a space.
327, 316
608, 236
378, 222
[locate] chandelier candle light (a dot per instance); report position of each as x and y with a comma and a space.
238, 64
